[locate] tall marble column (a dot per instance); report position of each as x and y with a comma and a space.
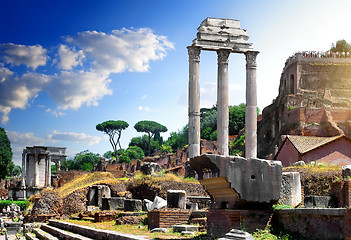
251, 106
222, 102
23, 168
194, 102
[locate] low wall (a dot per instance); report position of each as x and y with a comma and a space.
317, 223
341, 190
165, 218
221, 221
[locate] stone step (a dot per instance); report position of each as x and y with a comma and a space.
41, 234
94, 233
62, 234
31, 236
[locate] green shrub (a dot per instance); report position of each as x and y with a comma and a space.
4, 203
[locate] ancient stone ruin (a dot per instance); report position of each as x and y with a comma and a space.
314, 100
36, 170
223, 36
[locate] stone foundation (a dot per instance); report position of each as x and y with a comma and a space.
165, 218
221, 221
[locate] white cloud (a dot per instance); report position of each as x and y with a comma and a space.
144, 97
24, 139
122, 50
31, 56
142, 108
55, 112
73, 89
74, 137
69, 58
20, 141
97, 54
16, 91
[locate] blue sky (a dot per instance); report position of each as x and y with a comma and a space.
66, 66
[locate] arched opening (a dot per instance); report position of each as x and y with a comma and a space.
291, 85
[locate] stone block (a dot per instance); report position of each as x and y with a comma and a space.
132, 205
252, 179
92, 208
117, 203
346, 171
317, 201
176, 199
237, 234
150, 168
290, 193
181, 228
147, 205
192, 206
158, 203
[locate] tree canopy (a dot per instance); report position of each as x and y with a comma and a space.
132, 152
152, 128
6, 164
143, 143
84, 161
113, 129
340, 46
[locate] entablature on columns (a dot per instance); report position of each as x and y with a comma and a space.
216, 34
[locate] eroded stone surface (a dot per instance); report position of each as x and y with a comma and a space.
252, 179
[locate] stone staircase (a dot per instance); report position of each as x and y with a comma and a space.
219, 188
56, 230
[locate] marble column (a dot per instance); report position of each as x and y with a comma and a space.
194, 102
23, 168
222, 102
36, 169
251, 106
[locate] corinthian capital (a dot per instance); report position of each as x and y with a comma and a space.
223, 55
251, 59
194, 53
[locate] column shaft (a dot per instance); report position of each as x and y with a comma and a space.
194, 102
222, 102
251, 106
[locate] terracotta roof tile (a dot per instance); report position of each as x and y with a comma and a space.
305, 144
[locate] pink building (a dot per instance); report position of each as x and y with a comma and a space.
330, 150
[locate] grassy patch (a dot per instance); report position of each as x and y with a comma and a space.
131, 229
150, 180
86, 180
316, 179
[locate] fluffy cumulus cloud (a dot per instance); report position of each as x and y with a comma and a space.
80, 69
73, 137
20, 141
16, 91
121, 50
31, 56
73, 89
69, 57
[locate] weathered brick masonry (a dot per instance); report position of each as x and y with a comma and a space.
221, 221
165, 218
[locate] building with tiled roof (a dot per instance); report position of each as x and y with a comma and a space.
330, 150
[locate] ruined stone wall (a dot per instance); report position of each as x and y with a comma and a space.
316, 223
221, 221
314, 99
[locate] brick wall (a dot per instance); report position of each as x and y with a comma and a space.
165, 218
221, 221
316, 223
